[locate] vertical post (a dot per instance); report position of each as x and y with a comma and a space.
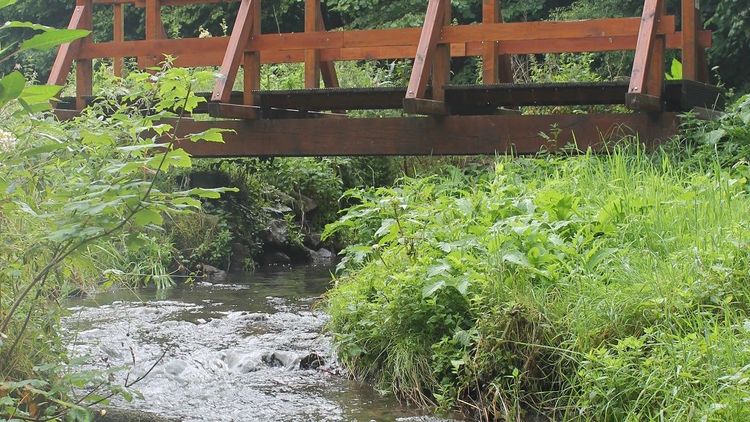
694, 65
655, 83
67, 52
118, 35
84, 67
154, 28
497, 68
251, 59
327, 69
441, 68
312, 56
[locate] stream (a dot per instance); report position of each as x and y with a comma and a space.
248, 350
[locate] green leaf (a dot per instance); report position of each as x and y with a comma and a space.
517, 258
432, 288
6, 3
40, 93
210, 135
11, 87
675, 72
53, 38
147, 216
26, 25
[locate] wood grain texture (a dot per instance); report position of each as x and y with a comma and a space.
67, 53
234, 53
454, 135
85, 67
428, 40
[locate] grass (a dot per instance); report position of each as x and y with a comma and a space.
609, 288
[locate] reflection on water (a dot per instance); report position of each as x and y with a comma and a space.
234, 352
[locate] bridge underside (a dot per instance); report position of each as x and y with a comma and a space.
483, 119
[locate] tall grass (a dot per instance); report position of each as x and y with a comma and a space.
609, 287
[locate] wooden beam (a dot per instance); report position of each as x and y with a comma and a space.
210, 51
642, 94
496, 68
154, 31
423, 61
452, 135
68, 52
85, 67
441, 66
251, 60
327, 68
118, 35
233, 55
312, 53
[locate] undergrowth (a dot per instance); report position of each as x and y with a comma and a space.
608, 288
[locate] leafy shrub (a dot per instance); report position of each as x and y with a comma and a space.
571, 288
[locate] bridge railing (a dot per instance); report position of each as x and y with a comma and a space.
431, 47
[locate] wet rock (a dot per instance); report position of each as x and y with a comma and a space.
122, 415
240, 255
278, 360
275, 259
213, 275
322, 257
276, 234
313, 241
311, 361
304, 204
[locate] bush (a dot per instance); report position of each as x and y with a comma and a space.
605, 287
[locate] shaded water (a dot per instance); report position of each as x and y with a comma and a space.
233, 351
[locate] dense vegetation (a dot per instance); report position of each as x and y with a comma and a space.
609, 287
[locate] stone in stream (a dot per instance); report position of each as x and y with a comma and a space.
313, 240
213, 275
321, 257
276, 234
122, 415
311, 361
275, 258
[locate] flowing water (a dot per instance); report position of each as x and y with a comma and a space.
231, 352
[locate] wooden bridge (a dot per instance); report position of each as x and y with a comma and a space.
437, 118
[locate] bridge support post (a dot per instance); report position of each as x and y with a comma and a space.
497, 68
154, 30
118, 35
251, 60
312, 56
430, 57
85, 67
647, 78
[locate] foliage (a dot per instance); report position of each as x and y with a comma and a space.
599, 288
71, 195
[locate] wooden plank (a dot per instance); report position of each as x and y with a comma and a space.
154, 31
453, 135
67, 52
209, 51
639, 97
118, 35
657, 67
85, 67
428, 40
312, 54
234, 53
251, 60
496, 68
441, 68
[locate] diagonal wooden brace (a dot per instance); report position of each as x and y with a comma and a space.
234, 54
647, 78
415, 101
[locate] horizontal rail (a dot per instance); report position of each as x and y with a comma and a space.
514, 38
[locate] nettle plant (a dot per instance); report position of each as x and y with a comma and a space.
69, 190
